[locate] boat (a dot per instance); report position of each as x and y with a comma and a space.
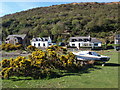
90, 55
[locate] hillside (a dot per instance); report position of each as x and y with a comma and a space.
97, 19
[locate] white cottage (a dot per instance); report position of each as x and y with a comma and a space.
41, 42
84, 42
0, 42
117, 39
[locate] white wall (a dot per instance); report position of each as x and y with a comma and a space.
82, 44
41, 44
117, 41
99, 44
77, 44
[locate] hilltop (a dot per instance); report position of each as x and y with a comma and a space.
95, 19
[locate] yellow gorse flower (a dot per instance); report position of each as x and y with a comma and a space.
39, 62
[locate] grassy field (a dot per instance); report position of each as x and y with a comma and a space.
99, 77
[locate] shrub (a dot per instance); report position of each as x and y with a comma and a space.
40, 64
31, 48
9, 47
57, 49
19, 46
5, 63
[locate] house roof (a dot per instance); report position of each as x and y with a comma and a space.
95, 40
82, 37
41, 39
22, 36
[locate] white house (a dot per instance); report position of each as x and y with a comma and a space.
0, 42
117, 39
84, 42
42, 42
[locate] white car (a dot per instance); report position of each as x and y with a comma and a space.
89, 55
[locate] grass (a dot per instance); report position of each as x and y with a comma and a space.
101, 77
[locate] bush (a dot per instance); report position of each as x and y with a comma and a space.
9, 47
40, 64
57, 49
31, 48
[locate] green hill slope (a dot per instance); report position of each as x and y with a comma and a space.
97, 19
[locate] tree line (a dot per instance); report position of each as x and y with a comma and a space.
81, 19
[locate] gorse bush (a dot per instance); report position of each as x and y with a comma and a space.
40, 64
58, 49
31, 48
9, 47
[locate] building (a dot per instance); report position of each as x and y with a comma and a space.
84, 42
42, 42
96, 43
117, 41
0, 42
17, 39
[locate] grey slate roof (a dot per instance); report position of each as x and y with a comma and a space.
83, 37
22, 36
40, 39
95, 40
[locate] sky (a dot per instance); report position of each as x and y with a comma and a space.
13, 6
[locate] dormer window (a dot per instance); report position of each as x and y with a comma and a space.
80, 40
36, 39
46, 40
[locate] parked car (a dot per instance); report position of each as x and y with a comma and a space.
117, 48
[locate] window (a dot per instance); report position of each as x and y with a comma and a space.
73, 44
43, 44
46, 40
90, 44
80, 40
85, 40
86, 44
95, 44
36, 39
73, 40
34, 44
38, 44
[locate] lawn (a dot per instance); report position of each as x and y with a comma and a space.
99, 77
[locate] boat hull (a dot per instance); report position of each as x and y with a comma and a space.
86, 58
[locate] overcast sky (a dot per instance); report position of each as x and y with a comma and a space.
9, 6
